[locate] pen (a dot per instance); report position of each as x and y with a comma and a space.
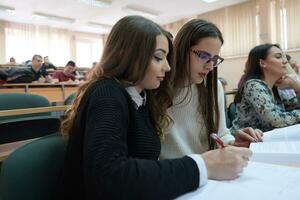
217, 139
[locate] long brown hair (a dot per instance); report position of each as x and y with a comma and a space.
127, 54
189, 35
253, 69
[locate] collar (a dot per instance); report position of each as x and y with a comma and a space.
136, 97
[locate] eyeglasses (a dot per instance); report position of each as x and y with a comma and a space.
206, 57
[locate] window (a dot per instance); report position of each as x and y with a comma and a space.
88, 51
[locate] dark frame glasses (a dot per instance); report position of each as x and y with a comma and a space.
206, 57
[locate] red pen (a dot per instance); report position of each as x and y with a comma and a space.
217, 139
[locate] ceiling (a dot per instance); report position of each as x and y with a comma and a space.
168, 11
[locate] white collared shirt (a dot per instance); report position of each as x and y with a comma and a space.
136, 96
139, 101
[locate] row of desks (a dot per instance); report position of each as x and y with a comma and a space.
54, 92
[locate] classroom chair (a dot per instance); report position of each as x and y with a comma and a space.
231, 111
69, 99
32, 171
9, 101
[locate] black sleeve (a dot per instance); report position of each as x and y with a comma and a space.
111, 174
44, 71
3, 75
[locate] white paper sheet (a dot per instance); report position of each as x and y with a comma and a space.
290, 133
258, 181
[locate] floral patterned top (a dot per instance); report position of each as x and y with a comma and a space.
258, 108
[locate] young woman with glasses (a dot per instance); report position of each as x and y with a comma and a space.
114, 124
198, 106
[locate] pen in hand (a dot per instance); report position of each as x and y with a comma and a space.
217, 139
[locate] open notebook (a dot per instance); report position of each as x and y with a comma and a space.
258, 181
280, 146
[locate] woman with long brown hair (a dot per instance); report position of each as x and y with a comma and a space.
114, 124
259, 103
198, 106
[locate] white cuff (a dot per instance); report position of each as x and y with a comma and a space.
226, 137
202, 168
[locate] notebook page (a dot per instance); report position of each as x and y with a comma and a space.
258, 181
283, 134
289, 147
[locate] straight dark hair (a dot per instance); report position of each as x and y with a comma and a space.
127, 54
253, 68
189, 35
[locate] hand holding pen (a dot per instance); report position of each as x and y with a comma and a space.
225, 163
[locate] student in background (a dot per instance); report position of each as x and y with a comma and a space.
293, 64
67, 73
114, 125
47, 64
88, 75
288, 94
258, 102
12, 61
34, 72
198, 107
40, 73
223, 82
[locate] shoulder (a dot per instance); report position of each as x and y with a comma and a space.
255, 84
57, 73
108, 88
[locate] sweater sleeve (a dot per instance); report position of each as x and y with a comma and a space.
110, 173
258, 95
289, 98
223, 131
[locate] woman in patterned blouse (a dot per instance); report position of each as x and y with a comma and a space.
258, 102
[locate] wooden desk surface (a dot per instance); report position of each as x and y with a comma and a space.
38, 84
24, 111
54, 92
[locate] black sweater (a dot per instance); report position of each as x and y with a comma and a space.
113, 152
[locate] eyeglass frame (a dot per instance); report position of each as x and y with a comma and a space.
198, 52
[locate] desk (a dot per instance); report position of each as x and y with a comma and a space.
54, 92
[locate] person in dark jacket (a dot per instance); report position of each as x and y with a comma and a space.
118, 117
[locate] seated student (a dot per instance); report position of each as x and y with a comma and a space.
3, 76
39, 72
67, 73
34, 72
88, 75
288, 94
113, 130
47, 64
198, 107
293, 64
12, 61
10, 75
258, 102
